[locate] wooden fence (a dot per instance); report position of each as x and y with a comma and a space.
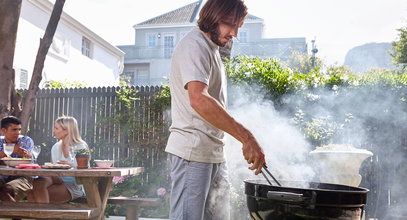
110, 137
385, 174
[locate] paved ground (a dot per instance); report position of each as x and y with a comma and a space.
110, 218
123, 218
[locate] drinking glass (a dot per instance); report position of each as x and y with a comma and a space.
8, 150
36, 151
72, 154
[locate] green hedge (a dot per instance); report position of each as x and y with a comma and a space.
279, 80
298, 94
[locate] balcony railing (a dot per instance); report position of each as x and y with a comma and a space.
145, 53
276, 48
281, 48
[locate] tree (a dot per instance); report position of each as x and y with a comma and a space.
399, 52
9, 15
9, 99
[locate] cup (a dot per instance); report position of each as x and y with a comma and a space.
8, 148
35, 152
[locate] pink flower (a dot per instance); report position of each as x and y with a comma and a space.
161, 192
120, 179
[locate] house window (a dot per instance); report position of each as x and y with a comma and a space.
127, 77
60, 47
142, 77
168, 45
86, 47
242, 37
137, 77
23, 79
151, 40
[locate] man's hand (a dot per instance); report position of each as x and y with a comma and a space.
254, 155
23, 153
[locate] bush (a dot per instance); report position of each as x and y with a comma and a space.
135, 186
298, 94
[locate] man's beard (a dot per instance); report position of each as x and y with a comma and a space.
215, 38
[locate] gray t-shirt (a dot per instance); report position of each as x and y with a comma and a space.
196, 58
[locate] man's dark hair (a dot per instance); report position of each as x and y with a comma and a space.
215, 10
6, 121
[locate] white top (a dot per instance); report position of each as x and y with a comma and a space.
196, 58
56, 154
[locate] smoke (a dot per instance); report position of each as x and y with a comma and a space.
218, 201
285, 148
373, 118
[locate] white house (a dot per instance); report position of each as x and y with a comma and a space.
76, 54
147, 62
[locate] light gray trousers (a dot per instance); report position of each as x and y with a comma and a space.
200, 191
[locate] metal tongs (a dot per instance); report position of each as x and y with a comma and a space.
268, 172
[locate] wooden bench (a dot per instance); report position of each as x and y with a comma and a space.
45, 211
131, 203
96, 183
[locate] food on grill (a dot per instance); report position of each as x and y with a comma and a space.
338, 147
335, 147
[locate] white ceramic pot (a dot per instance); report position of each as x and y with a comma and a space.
340, 166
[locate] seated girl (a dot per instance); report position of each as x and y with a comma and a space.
60, 189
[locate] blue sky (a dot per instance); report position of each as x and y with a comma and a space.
337, 25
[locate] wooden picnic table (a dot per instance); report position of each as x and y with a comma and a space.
97, 184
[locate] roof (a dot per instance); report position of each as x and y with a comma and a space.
48, 6
183, 15
252, 17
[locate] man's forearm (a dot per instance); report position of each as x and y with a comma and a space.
212, 111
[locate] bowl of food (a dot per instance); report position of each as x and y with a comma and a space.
12, 162
104, 163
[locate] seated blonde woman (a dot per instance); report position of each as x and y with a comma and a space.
60, 189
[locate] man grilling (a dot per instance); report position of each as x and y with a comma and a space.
199, 117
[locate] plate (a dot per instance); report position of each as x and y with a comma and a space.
56, 167
16, 161
102, 167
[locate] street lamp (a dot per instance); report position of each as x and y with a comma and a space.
314, 51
